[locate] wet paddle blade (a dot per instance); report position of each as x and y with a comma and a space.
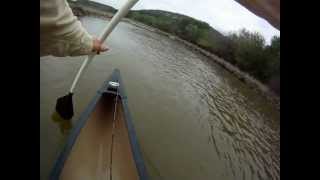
64, 106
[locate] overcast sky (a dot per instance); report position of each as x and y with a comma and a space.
222, 15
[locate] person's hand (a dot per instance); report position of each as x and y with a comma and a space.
98, 46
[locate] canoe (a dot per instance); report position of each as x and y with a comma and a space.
103, 143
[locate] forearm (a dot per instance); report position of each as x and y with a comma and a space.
61, 33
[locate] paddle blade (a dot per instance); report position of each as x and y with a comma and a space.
64, 106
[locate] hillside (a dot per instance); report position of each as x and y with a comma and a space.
185, 27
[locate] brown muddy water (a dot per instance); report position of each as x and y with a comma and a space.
194, 120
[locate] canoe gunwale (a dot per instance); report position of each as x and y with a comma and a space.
134, 144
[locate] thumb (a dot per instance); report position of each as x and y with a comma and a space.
103, 48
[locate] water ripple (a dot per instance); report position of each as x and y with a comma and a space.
239, 133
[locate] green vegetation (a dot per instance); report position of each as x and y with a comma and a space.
244, 49
187, 28
252, 55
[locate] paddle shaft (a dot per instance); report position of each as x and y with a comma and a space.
109, 28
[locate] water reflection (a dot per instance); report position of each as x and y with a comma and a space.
64, 125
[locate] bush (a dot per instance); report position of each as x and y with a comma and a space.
253, 56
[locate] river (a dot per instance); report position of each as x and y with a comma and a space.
194, 120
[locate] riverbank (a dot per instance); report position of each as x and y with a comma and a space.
244, 77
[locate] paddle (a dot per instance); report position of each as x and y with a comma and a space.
64, 106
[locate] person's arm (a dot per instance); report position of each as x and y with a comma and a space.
61, 33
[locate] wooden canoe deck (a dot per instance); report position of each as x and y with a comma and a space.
90, 155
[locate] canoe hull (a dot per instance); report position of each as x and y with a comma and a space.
103, 144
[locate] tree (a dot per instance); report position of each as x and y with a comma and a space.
192, 32
250, 54
274, 64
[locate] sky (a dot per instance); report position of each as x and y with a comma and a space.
223, 15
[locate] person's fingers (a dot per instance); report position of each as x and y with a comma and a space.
103, 48
99, 47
